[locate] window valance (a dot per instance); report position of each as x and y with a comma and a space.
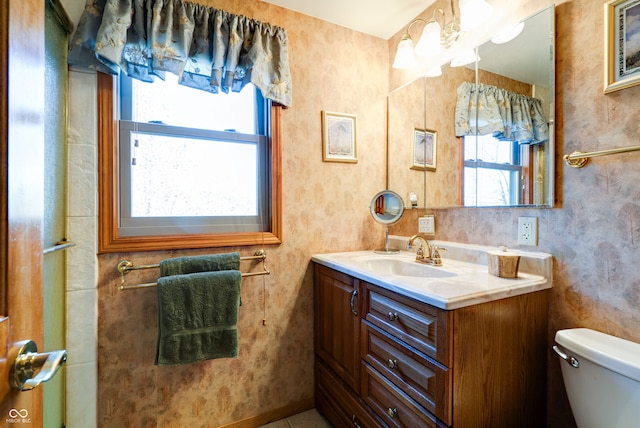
505, 114
209, 49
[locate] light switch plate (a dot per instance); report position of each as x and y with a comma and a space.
427, 224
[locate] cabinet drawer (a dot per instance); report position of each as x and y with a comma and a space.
426, 381
339, 404
421, 326
394, 407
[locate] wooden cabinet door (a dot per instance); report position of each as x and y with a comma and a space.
337, 324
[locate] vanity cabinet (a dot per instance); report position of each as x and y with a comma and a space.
386, 360
337, 347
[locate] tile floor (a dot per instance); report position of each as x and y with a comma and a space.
308, 419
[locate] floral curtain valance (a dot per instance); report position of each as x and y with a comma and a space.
209, 49
506, 115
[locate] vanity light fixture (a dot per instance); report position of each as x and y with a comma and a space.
438, 34
464, 58
508, 34
405, 56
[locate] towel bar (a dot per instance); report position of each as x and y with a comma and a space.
60, 245
126, 265
580, 159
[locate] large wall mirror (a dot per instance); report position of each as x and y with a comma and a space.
482, 168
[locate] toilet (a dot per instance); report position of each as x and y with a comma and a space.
602, 377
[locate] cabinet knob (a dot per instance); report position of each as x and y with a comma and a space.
393, 316
392, 412
392, 363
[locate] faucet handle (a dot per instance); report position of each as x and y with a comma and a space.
435, 255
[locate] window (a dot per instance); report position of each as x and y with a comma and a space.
495, 172
176, 176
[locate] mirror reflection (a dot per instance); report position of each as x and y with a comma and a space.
482, 166
386, 208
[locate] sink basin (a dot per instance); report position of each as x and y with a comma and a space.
405, 268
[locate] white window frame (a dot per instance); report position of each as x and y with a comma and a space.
515, 170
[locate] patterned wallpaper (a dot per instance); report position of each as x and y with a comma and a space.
325, 209
593, 231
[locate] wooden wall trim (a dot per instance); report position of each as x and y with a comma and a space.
273, 415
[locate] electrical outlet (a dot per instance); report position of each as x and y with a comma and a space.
427, 224
528, 231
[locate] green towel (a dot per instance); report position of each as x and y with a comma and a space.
197, 317
206, 263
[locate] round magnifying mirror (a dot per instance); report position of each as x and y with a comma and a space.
386, 208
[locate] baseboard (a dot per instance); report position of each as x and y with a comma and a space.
272, 415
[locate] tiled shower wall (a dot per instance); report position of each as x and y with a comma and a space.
82, 263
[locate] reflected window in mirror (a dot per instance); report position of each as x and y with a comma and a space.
496, 172
524, 65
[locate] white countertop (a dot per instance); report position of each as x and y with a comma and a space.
453, 285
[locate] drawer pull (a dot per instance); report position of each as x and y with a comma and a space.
354, 296
393, 316
355, 422
392, 412
392, 363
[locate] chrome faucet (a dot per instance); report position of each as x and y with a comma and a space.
426, 253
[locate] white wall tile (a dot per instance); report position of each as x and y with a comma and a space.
83, 180
82, 262
82, 328
82, 382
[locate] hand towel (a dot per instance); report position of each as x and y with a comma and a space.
206, 263
197, 317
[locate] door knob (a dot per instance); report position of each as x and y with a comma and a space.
28, 362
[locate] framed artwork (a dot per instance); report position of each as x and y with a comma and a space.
338, 137
622, 45
423, 150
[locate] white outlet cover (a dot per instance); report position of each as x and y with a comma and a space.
427, 224
528, 231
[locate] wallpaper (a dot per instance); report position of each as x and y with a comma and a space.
325, 209
593, 231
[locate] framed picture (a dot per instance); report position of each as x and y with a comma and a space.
423, 150
338, 137
622, 45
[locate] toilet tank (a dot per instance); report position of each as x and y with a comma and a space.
604, 390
